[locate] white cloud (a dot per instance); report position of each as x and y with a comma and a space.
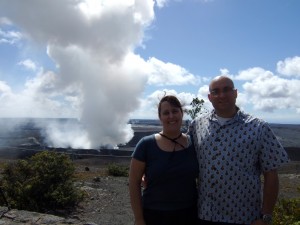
36, 100
4, 88
161, 3
253, 73
28, 64
112, 26
169, 74
10, 37
268, 92
224, 71
164, 3
289, 67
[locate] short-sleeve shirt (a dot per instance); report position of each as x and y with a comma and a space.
231, 159
171, 176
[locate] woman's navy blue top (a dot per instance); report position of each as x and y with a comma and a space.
171, 176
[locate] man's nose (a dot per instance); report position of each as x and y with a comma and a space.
222, 93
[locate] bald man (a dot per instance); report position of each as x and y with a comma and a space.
234, 149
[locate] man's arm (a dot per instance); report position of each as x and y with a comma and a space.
270, 191
270, 194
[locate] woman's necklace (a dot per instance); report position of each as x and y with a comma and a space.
174, 140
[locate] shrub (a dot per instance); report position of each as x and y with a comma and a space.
117, 170
287, 211
41, 183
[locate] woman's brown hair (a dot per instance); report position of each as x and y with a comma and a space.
173, 102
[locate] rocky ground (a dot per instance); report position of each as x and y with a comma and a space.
108, 203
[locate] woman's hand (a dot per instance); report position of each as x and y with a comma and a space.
140, 222
144, 181
259, 222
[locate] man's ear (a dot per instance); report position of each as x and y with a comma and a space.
236, 93
209, 97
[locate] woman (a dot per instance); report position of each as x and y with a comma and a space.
168, 161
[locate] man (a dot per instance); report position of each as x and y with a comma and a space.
234, 149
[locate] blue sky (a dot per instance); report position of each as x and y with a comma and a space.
111, 60
204, 37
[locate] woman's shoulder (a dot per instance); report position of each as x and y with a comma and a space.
145, 144
150, 137
146, 139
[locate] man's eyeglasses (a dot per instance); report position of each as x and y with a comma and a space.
225, 91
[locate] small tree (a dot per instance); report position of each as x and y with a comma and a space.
197, 107
43, 182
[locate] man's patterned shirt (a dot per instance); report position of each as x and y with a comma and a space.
231, 159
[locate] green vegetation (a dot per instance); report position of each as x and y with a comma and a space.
197, 107
117, 170
287, 211
41, 183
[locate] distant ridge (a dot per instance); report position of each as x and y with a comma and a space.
15, 132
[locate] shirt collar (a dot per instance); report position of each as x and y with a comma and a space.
238, 117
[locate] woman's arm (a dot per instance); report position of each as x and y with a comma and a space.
137, 170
